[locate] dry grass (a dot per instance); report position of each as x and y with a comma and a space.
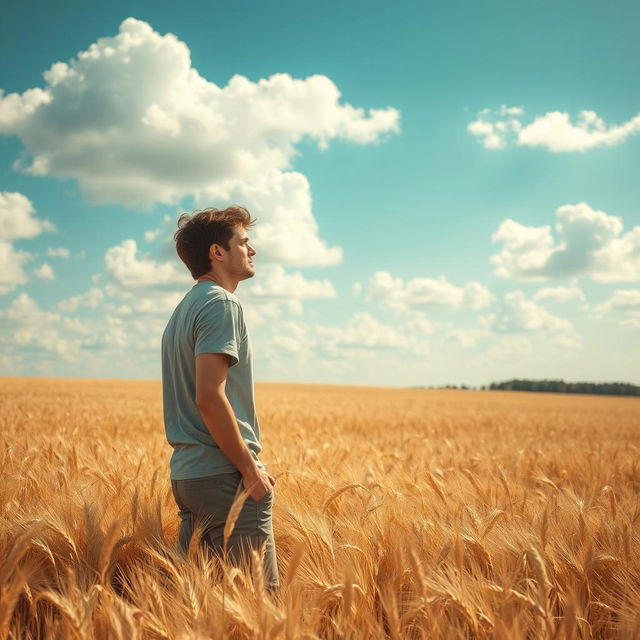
397, 514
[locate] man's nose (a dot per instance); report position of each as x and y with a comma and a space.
252, 251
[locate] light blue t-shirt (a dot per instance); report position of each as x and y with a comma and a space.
208, 319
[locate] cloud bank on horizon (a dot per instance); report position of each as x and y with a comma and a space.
133, 123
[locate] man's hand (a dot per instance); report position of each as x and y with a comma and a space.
258, 484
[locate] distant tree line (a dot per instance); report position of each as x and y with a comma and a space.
552, 386
560, 386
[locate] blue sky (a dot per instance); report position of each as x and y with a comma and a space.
445, 193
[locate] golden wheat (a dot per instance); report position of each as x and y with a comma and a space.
399, 513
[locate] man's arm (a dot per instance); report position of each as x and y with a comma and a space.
218, 416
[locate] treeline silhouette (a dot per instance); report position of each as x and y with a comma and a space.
554, 386
560, 386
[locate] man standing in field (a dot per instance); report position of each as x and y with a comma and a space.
208, 397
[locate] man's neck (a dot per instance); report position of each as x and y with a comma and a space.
220, 279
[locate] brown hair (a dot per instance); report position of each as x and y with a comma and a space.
198, 231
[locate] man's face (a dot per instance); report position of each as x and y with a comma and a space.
239, 257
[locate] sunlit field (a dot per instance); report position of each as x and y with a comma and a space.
397, 514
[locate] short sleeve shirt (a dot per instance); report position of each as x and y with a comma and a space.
209, 319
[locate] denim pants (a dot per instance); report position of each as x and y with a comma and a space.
207, 501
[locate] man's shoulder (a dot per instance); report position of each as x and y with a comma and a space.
216, 302
214, 294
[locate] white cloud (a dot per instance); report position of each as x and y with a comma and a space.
161, 130
363, 331
418, 325
90, 299
274, 286
625, 304
17, 221
75, 325
622, 299
45, 272
368, 335
292, 339
11, 267
113, 337
590, 243
57, 252
151, 235
167, 228
132, 271
521, 315
466, 338
124, 302
394, 293
39, 340
128, 310
560, 294
286, 231
17, 217
554, 130
492, 130
28, 328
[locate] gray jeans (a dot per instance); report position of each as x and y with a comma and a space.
207, 500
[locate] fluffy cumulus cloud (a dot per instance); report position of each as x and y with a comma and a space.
623, 304
27, 328
45, 272
494, 128
90, 299
361, 333
11, 267
560, 294
590, 243
17, 221
134, 283
131, 270
554, 130
421, 293
518, 314
275, 288
84, 335
286, 231
133, 122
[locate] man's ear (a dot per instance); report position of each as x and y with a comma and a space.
214, 252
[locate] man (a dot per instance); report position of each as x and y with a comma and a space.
208, 396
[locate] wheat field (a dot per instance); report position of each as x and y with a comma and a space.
398, 513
